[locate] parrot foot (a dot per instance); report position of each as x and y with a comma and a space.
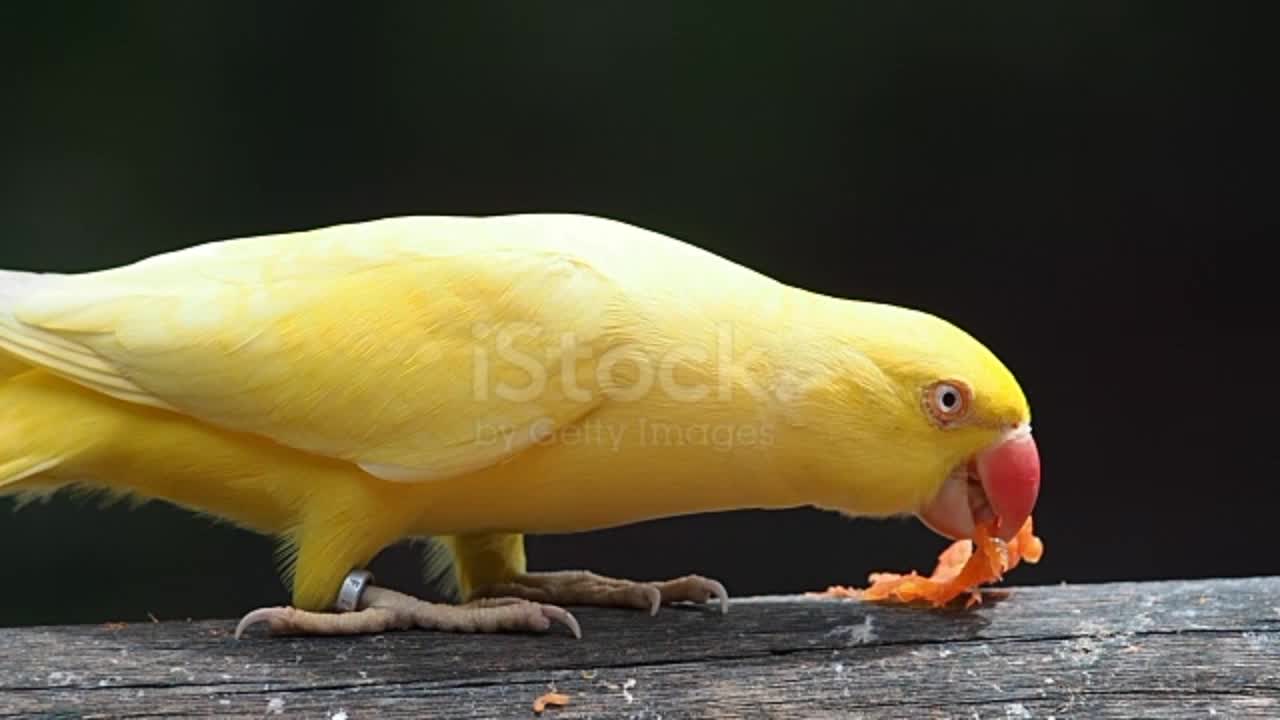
382, 610
576, 587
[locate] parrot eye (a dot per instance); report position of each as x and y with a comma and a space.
948, 401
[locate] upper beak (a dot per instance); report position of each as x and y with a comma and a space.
1000, 483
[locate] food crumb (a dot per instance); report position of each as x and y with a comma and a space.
551, 698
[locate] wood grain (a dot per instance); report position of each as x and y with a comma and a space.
1171, 649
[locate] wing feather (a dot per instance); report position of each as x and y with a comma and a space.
377, 344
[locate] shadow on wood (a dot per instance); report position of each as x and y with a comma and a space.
1171, 649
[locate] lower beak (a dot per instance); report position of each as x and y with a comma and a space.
1000, 483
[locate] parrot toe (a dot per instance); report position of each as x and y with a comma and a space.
695, 589
382, 610
552, 613
577, 587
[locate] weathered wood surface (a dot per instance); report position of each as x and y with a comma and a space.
1176, 649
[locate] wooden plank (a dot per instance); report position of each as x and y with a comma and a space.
1171, 649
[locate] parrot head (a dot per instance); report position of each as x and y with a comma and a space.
930, 422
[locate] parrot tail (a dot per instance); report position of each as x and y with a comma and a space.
35, 439
15, 464
10, 366
12, 285
23, 466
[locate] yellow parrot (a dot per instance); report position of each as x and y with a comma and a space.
474, 379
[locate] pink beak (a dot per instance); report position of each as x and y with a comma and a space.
1000, 483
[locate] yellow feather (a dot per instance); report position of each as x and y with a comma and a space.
345, 388
10, 366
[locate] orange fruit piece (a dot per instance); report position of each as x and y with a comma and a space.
556, 699
960, 571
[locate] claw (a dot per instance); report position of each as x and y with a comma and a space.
655, 599
695, 589
275, 617
721, 594
562, 616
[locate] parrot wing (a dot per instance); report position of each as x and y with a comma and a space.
11, 366
413, 358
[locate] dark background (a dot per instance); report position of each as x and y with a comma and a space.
1060, 179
